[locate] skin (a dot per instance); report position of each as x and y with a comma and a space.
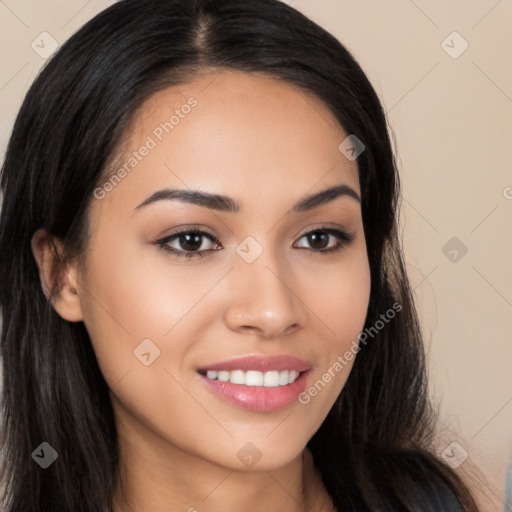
266, 144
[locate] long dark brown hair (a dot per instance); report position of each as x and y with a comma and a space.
372, 450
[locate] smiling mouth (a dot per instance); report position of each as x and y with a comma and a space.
269, 379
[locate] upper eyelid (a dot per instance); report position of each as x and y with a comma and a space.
187, 231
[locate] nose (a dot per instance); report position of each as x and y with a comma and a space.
265, 299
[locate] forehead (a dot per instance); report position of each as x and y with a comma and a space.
246, 134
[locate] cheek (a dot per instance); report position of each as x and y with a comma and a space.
339, 294
346, 302
124, 304
137, 291
340, 298
134, 293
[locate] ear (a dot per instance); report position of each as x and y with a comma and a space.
59, 281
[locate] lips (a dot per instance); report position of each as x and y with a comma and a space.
266, 389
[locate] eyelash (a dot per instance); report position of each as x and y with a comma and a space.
343, 238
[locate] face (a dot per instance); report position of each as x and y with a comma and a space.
220, 324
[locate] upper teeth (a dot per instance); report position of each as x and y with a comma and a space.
255, 378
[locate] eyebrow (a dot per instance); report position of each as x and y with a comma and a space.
227, 204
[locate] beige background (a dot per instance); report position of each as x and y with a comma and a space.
452, 118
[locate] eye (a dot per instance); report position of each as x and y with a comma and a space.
319, 238
191, 242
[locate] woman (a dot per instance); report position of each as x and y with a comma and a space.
205, 305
